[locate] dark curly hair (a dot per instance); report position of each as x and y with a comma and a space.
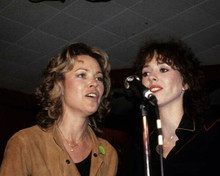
180, 57
49, 92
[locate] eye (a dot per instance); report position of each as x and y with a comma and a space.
81, 75
164, 70
100, 78
145, 74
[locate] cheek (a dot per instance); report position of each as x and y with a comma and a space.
67, 85
101, 89
145, 82
177, 80
70, 86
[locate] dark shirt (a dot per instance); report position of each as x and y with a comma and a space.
84, 166
196, 153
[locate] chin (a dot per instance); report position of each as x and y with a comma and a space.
92, 111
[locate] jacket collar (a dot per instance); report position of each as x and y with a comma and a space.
187, 127
57, 137
187, 124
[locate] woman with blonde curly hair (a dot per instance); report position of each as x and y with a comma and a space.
73, 96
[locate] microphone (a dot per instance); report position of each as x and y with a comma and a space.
133, 82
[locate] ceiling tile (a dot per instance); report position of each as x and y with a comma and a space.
31, 14
28, 74
93, 13
4, 45
127, 3
157, 32
4, 3
127, 24
209, 37
12, 31
19, 55
41, 42
209, 57
157, 10
58, 4
99, 38
125, 51
7, 68
115, 63
40, 64
212, 7
190, 22
65, 27
194, 2
196, 46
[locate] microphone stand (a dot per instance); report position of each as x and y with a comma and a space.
145, 140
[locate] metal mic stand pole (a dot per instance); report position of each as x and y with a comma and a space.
145, 140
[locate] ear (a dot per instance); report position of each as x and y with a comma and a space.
185, 87
60, 84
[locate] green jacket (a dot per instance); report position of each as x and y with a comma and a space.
34, 152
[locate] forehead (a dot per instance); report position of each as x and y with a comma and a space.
85, 60
159, 59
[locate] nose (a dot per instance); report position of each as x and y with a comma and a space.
93, 82
152, 77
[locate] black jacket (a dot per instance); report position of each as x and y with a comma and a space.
197, 152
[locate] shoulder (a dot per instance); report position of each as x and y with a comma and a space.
27, 134
104, 142
107, 148
28, 131
21, 140
212, 119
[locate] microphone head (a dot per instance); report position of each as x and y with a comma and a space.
133, 83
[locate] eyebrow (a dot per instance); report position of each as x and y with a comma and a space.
98, 72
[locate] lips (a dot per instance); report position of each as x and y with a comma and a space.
155, 88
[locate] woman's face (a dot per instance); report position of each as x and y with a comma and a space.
164, 82
83, 87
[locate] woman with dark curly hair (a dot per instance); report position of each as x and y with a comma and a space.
190, 132
73, 96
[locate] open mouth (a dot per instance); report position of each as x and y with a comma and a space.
92, 95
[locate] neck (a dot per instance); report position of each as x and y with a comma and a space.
170, 119
73, 129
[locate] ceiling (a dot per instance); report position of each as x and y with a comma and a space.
30, 33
